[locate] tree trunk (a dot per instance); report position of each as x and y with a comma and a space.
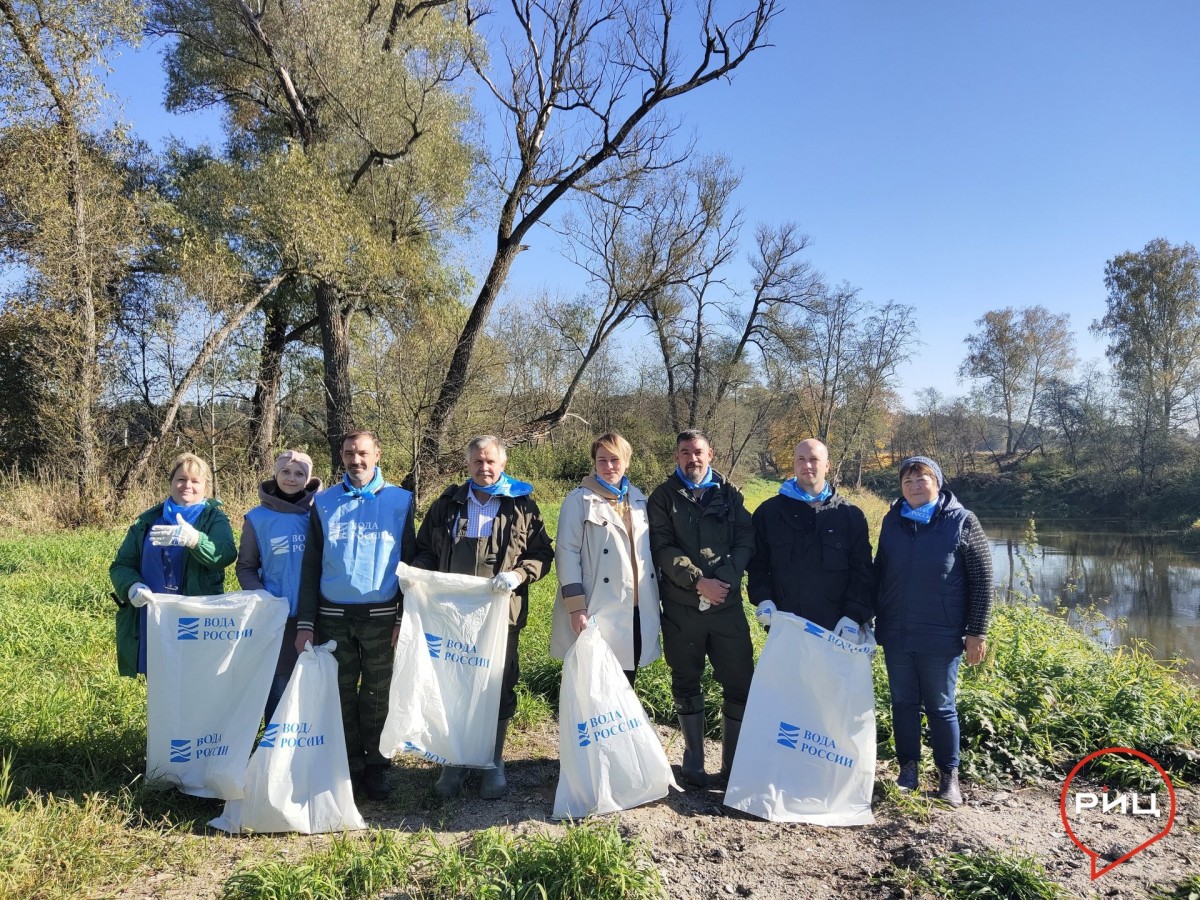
335, 344
264, 410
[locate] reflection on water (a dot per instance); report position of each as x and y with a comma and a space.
1145, 579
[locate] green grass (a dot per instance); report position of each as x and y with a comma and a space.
592, 861
1187, 889
979, 876
76, 820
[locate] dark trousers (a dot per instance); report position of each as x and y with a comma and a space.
926, 680
512, 671
364, 658
720, 634
631, 674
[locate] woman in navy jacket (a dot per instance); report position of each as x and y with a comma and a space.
934, 575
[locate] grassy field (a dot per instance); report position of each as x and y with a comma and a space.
76, 820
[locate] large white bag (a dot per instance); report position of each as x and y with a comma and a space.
445, 691
299, 778
609, 755
209, 665
807, 747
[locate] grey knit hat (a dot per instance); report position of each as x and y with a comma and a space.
924, 461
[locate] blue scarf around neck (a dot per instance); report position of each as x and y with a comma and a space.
791, 488
190, 513
367, 491
505, 486
921, 513
618, 490
708, 481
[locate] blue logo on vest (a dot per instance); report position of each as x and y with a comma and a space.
583, 734
810, 628
181, 751
189, 629
269, 734
435, 645
789, 735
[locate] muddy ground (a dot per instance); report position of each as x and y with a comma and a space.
704, 850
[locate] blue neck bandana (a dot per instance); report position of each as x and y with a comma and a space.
617, 490
707, 482
505, 486
922, 513
367, 491
190, 513
791, 489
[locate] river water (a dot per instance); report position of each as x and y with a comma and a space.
1146, 580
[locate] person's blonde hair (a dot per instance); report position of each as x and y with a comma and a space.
192, 465
613, 442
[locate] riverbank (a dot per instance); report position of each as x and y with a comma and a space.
77, 821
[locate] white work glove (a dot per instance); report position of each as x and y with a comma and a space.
763, 613
849, 631
139, 594
179, 535
506, 582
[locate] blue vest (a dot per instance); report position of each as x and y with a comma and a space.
280, 538
922, 600
362, 544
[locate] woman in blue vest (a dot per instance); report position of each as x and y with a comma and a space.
180, 546
934, 571
273, 546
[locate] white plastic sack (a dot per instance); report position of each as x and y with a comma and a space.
609, 755
209, 665
299, 778
445, 692
807, 747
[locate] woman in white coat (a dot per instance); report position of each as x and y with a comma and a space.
602, 555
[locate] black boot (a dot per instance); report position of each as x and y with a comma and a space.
731, 728
451, 781
691, 723
948, 790
493, 785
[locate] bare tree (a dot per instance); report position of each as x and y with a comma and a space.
583, 83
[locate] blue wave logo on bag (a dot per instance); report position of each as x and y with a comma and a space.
789, 735
181, 751
813, 743
606, 725
811, 628
189, 629
410, 747
435, 645
269, 735
291, 734
452, 650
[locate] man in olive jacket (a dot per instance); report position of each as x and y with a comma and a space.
491, 527
702, 538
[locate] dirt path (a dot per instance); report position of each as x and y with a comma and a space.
705, 850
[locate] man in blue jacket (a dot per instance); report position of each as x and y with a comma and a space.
349, 592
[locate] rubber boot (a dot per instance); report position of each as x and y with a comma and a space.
731, 729
948, 790
451, 781
692, 770
493, 785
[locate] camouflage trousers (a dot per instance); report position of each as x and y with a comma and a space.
364, 658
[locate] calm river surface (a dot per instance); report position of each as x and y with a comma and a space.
1144, 579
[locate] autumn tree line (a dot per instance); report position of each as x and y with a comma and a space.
309, 276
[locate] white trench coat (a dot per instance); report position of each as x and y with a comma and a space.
592, 549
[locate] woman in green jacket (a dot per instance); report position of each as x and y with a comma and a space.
180, 546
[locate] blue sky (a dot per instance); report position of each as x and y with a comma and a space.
955, 156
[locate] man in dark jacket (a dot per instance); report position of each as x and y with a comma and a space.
489, 526
701, 537
812, 556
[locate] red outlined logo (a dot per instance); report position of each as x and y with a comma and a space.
1094, 855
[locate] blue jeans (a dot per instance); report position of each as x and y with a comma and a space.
928, 680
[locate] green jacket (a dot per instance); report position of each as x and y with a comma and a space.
203, 571
690, 541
